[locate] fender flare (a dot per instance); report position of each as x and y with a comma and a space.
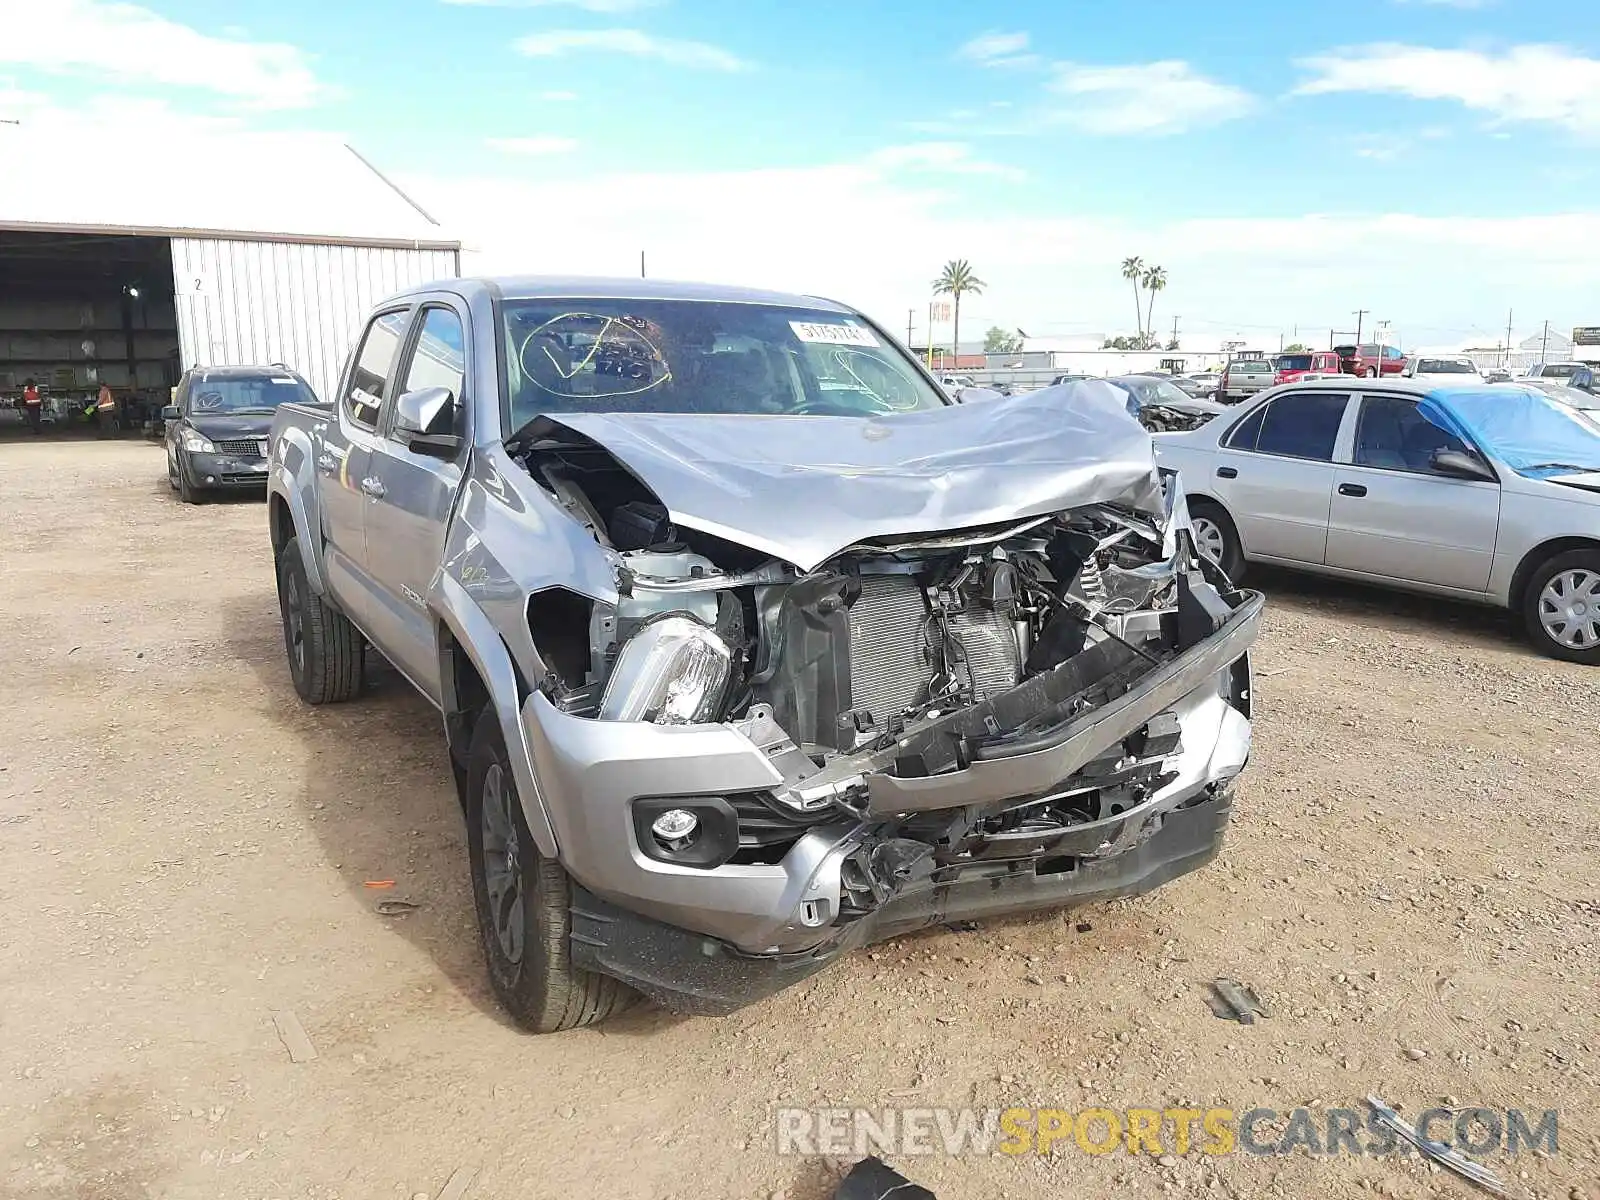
284, 484
483, 645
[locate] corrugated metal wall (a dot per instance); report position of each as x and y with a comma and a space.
242, 302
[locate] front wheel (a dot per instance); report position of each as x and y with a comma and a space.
1561, 607
325, 650
1216, 538
524, 904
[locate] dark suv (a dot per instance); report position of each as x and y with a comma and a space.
218, 424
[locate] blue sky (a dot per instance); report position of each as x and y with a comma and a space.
1431, 160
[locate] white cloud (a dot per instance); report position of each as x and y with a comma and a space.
126, 43
1527, 83
594, 6
1145, 98
545, 144
873, 231
634, 42
995, 49
558, 96
950, 158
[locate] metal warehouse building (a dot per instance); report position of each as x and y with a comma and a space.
254, 249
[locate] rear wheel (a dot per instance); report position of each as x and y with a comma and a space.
1561, 607
524, 904
1216, 538
324, 649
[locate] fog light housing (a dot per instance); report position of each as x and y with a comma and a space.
686, 831
675, 828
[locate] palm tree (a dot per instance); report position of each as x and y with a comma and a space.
1155, 279
1133, 268
955, 281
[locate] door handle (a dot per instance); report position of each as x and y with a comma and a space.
373, 487
327, 463
1352, 489
1227, 473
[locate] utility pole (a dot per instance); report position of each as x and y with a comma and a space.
930, 335
1507, 363
641, 264
1174, 331
911, 316
1360, 315
1545, 344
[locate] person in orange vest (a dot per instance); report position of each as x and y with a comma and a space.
106, 411
31, 404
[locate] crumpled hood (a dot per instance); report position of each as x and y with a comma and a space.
804, 488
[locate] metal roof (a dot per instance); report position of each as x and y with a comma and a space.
269, 187
583, 287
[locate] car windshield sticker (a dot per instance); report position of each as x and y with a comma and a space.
833, 335
583, 356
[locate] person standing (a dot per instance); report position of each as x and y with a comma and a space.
32, 406
105, 414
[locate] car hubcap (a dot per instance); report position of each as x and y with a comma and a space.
1208, 537
502, 863
1569, 609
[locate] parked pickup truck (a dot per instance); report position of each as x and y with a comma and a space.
749, 645
1243, 378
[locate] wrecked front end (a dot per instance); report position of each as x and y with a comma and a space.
752, 767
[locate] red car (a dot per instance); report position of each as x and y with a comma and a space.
1298, 365
1370, 360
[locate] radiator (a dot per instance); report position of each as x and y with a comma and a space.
889, 669
991, 647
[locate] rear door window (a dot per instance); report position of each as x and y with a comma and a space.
1303, 425
371, 371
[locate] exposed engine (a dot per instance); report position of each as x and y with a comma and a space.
887, 634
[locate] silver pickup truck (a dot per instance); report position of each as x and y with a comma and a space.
750, 646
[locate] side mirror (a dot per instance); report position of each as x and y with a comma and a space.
425, 420
170, 412
1463, 466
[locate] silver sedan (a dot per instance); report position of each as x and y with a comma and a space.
1484, 493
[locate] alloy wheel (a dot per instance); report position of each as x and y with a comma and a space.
501, 856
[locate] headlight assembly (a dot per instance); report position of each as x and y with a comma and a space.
196, 443
674, 671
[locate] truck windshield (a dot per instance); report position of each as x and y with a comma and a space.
703, 357
247, 394
1294, 362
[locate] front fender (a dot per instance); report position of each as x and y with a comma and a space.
294, 479
475, 634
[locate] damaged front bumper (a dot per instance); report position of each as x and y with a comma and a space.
712, 938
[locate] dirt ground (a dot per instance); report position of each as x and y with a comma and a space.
1409, 883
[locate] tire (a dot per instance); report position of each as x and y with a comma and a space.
187, 492
1209, 518
1371, 373
525, 922
324, 650
1573, 583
